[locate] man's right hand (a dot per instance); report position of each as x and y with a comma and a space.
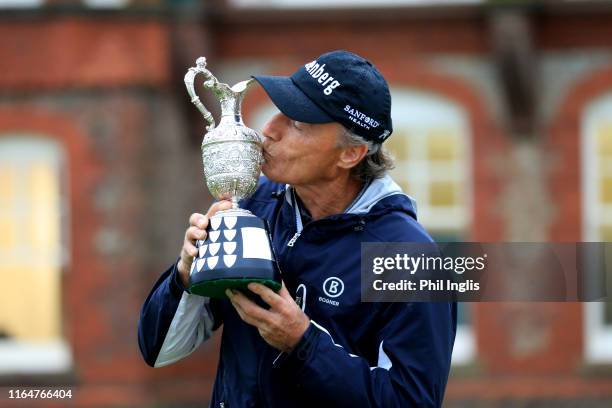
196, 231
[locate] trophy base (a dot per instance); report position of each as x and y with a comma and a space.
216, 288
236, 252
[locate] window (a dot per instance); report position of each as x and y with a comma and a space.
32, 252
430, 145
597, 216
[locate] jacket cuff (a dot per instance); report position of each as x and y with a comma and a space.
302, 352
175, 284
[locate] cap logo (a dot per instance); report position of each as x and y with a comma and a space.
323, 78
360, 118
384, 135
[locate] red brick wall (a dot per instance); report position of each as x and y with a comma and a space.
292, 37
76, 52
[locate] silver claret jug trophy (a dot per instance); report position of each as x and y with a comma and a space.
237, 249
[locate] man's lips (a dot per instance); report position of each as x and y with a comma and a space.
266, 156
266, 153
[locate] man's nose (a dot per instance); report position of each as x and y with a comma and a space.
273, 128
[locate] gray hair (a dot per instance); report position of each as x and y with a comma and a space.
377, 161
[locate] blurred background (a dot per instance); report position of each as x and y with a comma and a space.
503, 132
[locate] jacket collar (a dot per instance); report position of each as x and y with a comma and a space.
371, 194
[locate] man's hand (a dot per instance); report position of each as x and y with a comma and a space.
195, 231
282, 326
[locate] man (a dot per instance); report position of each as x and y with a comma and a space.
325, 192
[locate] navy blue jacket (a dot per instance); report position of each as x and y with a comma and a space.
353, 354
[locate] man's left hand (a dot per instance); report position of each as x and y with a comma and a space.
282, 326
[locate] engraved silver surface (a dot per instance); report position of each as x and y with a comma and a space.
231, 152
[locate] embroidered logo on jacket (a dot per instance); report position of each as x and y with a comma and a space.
333, 287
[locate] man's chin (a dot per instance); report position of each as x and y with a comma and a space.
270, 175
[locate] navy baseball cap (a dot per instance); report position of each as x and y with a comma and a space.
338, 86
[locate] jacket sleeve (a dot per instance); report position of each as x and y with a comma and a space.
173, 322
414, 354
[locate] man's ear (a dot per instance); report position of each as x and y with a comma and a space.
352, 155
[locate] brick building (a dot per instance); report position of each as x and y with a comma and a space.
503, 132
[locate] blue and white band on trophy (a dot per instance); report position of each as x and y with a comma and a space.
237, 249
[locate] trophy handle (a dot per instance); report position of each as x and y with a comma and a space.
211, 83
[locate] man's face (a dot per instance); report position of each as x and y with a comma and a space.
300, 153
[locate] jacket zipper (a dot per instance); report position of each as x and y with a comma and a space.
298, 220
292, 240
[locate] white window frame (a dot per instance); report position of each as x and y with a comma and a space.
30, 357
20, 4
597, 334
106, 4
464, 350
20, 357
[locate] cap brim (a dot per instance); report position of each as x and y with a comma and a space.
291, 101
